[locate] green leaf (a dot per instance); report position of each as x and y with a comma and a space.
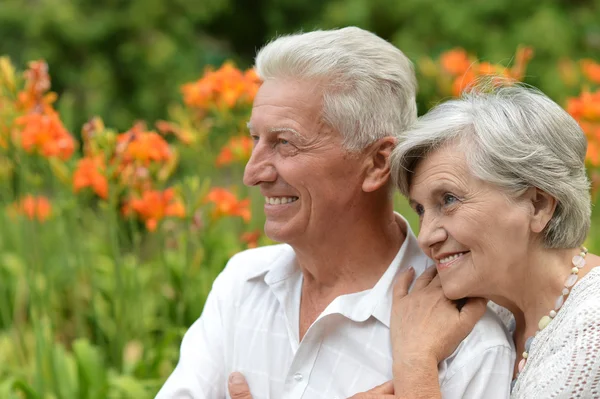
92, 371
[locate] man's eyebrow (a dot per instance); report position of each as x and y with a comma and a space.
284, 129
276, 129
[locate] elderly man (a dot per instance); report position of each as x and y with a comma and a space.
311, 318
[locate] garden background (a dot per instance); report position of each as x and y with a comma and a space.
122, 151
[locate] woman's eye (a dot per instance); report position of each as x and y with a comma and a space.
419, 210
449, 199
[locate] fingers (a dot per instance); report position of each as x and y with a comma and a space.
385, 388
436, 281
425, 278
403, 283
238, 387
473, 310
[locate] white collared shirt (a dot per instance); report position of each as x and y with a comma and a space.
250, 324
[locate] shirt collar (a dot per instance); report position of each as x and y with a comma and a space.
380, 298
359, 306
279, 267
377, 301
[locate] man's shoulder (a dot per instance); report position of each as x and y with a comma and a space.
256, 262
489, 332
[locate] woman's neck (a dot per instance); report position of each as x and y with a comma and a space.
533, 287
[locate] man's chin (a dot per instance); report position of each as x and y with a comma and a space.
278, 232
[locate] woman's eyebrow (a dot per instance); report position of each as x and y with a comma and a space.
437, 190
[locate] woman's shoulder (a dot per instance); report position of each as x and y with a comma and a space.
582, 308
585, 295
566, 349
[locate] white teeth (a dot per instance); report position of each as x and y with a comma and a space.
280, 200
451, 257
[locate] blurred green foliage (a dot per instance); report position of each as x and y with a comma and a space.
125, 59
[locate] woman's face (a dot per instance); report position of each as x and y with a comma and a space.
473, 232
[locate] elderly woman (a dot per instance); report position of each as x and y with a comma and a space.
498, 180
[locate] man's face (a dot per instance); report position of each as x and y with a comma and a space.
309, 181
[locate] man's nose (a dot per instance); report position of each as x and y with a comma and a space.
260, 167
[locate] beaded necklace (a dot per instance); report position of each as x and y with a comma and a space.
578, 262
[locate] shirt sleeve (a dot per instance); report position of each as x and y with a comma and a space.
482, 365
200, 372
487, 376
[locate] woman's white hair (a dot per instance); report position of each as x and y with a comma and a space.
369, 86
513, 137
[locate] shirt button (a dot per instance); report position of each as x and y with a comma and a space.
298, 377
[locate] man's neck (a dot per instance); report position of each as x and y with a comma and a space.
352, 260
346, 263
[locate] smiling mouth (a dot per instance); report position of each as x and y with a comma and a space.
450, 259
280, 200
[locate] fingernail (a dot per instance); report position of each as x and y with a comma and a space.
411, 269
236, 378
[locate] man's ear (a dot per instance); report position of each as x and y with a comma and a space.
543, 206
378, 164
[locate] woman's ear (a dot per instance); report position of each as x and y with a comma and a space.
543, 206
378, 164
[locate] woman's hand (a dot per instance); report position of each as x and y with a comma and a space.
383, 391
426, 328
425, 322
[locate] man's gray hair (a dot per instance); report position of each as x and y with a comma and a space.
516, 138
369, 86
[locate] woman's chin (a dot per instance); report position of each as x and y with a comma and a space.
454, 292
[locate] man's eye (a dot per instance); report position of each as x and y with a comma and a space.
449, 199
283, 141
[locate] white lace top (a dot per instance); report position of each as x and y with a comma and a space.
564, 358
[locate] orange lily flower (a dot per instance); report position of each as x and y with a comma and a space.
138, 145
522, 57
455, 61
463, 82
154, 206
465, 71
250, 238
237, 149
591, 70
34, 208
586, 110
90, 173
224, 87
593, 153
586, 106
46, 134
228, 205
35, 97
